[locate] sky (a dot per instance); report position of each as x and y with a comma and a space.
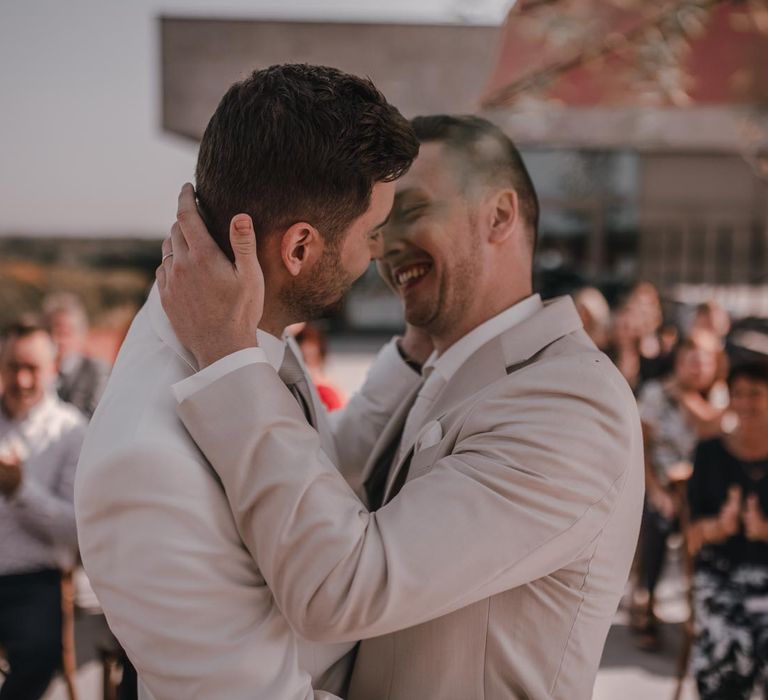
81, 149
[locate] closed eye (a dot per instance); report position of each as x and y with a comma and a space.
413, 213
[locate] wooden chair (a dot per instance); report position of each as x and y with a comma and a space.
68, 657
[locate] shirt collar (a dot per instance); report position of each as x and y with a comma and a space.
273, 347
38, 412
455, 356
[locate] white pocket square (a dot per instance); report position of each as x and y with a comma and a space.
430, 435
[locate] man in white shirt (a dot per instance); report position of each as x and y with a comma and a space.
309, 154
40, 438
504, 494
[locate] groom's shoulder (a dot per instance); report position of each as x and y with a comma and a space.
137, 413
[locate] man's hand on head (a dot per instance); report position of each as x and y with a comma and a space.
214, 305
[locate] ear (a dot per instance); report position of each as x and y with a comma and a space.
300, 245
504, 215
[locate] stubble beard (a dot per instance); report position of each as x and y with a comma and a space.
443, 312
323, 293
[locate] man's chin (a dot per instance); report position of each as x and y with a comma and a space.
333, 309
315, 311
420, 316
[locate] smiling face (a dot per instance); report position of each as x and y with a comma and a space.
431, 248
27, 371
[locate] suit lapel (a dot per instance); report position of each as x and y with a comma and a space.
496, 359
391, 433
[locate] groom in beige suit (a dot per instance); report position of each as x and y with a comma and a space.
183, 595
503, 498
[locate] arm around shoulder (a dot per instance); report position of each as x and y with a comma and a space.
527, 485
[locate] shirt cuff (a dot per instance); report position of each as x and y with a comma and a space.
186, 387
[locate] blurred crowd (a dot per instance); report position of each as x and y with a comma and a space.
705, 426
704, 414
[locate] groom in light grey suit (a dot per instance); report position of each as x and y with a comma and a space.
503, 497
308, 154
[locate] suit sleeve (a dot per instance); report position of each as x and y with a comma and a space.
528, 486
98, 384
50, 512
357, 427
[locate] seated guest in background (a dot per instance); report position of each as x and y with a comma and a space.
656, 358
623, 345
40, 439
82, 379
676, 413
711, 316
314, 350
728, 499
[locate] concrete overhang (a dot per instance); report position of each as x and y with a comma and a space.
422, 69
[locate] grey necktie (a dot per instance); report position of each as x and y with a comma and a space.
430, 390
294, 378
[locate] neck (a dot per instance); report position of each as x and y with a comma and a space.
485, 309
275, 318
272, 326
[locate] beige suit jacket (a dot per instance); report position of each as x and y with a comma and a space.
162, 549
497, 569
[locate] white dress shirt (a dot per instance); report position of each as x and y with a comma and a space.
455, 356
37, 524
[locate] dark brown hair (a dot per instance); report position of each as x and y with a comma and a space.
488, 154
299, 143
24, 325
753, 371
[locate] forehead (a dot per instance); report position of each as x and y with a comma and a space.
36, 348
433, 172
382, 195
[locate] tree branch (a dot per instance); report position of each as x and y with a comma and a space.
605, 46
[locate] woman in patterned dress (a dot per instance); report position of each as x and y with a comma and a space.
728, 500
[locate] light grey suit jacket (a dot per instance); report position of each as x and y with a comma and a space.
162, 549
495, 572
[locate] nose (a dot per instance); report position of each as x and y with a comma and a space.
393, 241
376, 247
25, 379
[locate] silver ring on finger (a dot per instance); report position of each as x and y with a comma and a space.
166, 256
